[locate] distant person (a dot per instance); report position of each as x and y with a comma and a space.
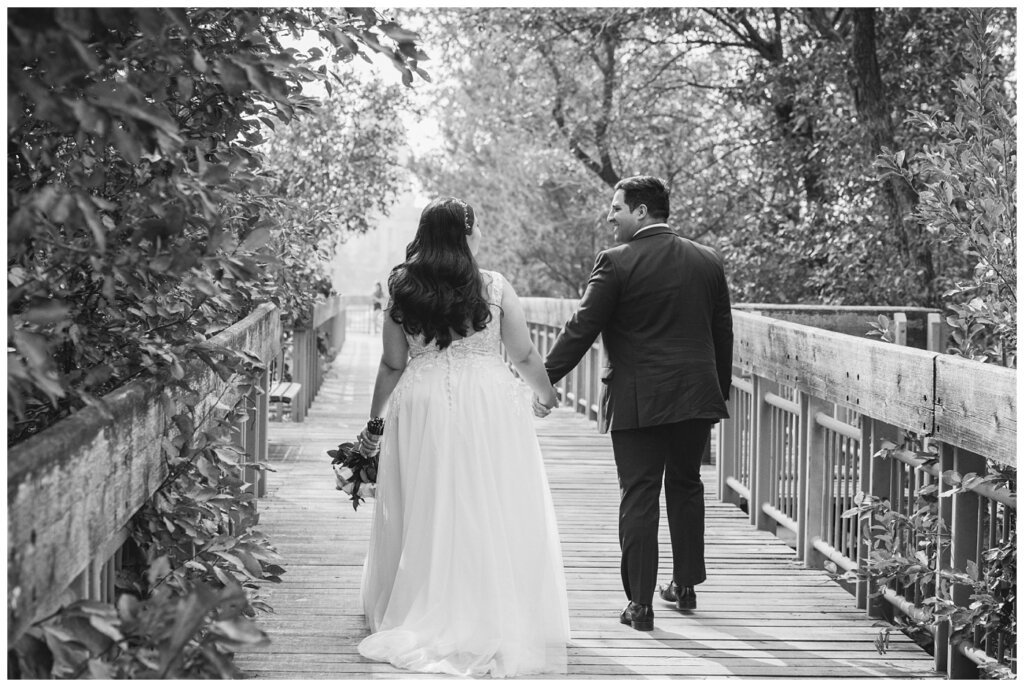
378, 299
464, 571
661, 305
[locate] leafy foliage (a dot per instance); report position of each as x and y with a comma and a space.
136, 228
757, 117
905, 549
330, 171
968, 197
140, 224
967, 201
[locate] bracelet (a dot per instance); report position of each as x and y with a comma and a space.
375, 425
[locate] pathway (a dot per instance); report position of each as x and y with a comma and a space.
761, 615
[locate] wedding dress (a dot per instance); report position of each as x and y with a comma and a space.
464, 571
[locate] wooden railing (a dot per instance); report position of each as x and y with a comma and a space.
809, 411
73, 488
581, 388
359, 313
303, 355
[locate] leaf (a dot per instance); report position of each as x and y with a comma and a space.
46, 312
100, 670
190, 614
108, 626
240, 631
232, 559
199, 62
252, 566
257, 238
35, 349
216, 175
93, 220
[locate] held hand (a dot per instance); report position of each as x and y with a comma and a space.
368, 443
539, 409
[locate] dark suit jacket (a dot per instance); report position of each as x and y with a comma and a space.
661, 304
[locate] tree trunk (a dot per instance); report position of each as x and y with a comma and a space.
872, 105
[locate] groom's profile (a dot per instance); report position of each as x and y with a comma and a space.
661, 305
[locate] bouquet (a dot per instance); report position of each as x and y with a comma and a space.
355, 463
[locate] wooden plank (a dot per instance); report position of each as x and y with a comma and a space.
762, 615
976, 407
887, 382
72, 488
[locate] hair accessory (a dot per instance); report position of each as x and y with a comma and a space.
465, 215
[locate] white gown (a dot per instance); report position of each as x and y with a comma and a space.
464, 571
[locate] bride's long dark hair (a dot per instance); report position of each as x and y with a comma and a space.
438, 289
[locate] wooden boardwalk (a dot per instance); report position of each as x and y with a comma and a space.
761, 614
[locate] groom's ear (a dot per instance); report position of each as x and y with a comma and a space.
643, 210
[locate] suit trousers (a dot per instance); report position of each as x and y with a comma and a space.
643, 457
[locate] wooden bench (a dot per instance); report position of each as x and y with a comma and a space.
281, 396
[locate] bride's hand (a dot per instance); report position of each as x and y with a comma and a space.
543, 406
539, 409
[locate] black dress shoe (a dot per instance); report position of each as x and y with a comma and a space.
685, 598
638, 616
687, 601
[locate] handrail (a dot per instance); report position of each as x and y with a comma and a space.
72, 488
958, 401
327, 310
329, 318
857, 396
811, 307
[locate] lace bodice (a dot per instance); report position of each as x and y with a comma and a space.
484, 342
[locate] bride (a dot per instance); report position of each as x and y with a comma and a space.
464, 572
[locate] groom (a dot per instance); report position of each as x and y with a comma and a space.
661, 304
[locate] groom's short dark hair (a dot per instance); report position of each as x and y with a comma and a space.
646, 190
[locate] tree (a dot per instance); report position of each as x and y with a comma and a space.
134, 221
968, 200
330, 170
573, 130
765, 122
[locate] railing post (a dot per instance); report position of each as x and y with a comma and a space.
592, 375
760, 469
881, 486
600, 389
942, 562
727, 457
340, 327
933, 333
262, 448
964, 547
864, 531
582, 378
302, 372
899, 328
817, 486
